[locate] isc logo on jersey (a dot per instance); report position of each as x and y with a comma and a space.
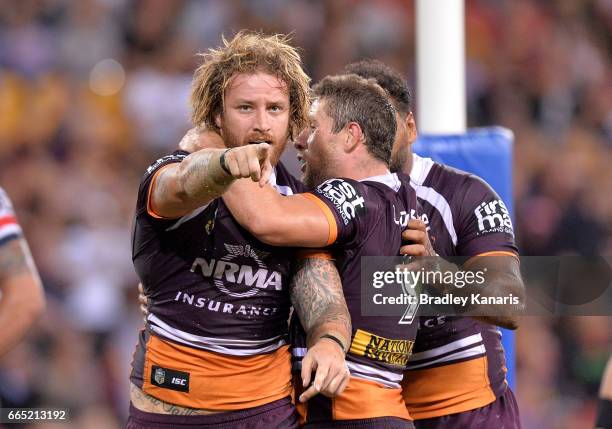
240, 273
344, 196
493, 217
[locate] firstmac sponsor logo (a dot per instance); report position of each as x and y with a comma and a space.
344, 196
493, 216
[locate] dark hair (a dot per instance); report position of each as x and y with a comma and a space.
350, 98
389, 79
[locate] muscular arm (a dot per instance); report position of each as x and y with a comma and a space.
501, 273
503, 277
277, 220
316, 295
22, 295
179, 188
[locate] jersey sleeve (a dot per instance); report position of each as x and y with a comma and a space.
287, 184
9, 228
343, 201
484, 223
142, 206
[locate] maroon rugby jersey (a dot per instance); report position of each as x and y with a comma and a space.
218, 303
363, 221
457, 363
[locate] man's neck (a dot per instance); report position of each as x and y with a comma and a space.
363, 170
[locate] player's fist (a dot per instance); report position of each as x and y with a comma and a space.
416, 240
252, 161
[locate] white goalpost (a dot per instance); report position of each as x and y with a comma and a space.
440, 65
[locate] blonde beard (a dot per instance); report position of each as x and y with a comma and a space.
277, 148
201, 138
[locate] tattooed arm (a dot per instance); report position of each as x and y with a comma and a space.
22, 296
180, 188
317, 297
149, 404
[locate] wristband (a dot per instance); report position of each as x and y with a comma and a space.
336, 339
222, 162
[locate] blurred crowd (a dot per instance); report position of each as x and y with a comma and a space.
92, 91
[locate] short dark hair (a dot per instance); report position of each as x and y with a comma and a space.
351, 98
389, 79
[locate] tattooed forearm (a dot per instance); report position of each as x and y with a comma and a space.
15, 259
23, 299
148, 403
182, 187
201, 175
316, 294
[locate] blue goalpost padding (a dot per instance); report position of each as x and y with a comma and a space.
486, 152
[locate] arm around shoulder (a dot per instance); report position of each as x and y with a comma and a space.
278, 220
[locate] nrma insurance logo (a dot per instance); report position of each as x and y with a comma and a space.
241, 272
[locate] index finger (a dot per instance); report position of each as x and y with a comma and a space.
307, 367
320, 377
416, 224
309, 393
263, 151
266, 172
417, 236
413, 250
254, 168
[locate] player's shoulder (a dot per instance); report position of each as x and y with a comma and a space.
389, 182
372, 188
9, 228
5, 201
340, 189
369, 190
176, 156
450, 182
6, 206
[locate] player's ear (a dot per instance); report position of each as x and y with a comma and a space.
354, 136
218, 120
411, 127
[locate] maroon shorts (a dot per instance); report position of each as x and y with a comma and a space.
278, 414
501, 414
374, 423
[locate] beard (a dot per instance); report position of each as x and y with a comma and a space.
313, 177
399, 159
